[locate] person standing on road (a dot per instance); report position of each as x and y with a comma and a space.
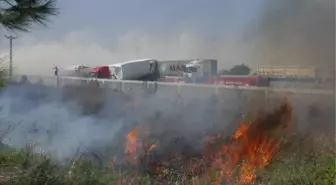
56, 74
56, 70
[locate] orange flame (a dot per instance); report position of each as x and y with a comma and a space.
251, 152
152, 147
131, 140
251, 147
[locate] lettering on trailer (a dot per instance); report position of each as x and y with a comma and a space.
177, 67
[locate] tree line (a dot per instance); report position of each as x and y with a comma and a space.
241, 69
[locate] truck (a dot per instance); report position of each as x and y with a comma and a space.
201, 70
143, 69
172, 67
101, 72
289, 73
78, 70
172, 70
206, 71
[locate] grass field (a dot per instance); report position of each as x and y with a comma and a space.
302, 160
268, 153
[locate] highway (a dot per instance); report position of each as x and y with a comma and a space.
178, 87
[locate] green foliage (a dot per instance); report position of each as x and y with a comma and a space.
237, 70
240, 70
307, 170
3, 77
302, 160
21, 14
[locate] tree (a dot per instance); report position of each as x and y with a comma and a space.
21, 14
236, 70
240, 70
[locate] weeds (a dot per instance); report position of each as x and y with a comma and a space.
302, 160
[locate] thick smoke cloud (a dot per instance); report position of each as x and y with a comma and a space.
40, 115
37, 56
55, 120
36, 115
297, 33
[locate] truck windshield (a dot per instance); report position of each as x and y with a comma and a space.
191, 69
117, 71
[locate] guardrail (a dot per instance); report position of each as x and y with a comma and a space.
179, 88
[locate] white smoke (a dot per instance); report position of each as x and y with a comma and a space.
38, 115
53, 127
36, 56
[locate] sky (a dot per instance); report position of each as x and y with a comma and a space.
111, 31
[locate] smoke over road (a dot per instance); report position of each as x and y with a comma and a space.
297, 33
35, 56
74, 120
150, 133
68, 126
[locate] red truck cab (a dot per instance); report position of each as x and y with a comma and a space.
100, 72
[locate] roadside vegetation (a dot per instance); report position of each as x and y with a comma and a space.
305, 160
301, 159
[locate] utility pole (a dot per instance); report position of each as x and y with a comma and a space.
11, 38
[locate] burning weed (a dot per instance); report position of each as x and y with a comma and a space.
252, 146
169, 146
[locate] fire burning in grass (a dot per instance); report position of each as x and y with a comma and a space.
251, 146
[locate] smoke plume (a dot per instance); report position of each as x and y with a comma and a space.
38, 56
67, 124
297, 33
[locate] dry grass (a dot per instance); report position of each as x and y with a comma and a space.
302, 159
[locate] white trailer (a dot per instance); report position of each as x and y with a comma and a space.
75, 71
134, 70
199, 70
172, 67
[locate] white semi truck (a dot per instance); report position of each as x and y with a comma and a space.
143, 69
200, 70
79, 70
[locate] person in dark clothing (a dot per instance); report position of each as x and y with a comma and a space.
56, 70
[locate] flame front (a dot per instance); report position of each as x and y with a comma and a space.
251, 147
131, 146
245, 151
131, 141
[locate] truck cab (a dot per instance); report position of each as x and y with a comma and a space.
102, 72
201, 70
116, 72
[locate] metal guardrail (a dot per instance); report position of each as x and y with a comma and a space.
125, 85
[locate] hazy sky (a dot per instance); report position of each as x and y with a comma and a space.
107, 31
